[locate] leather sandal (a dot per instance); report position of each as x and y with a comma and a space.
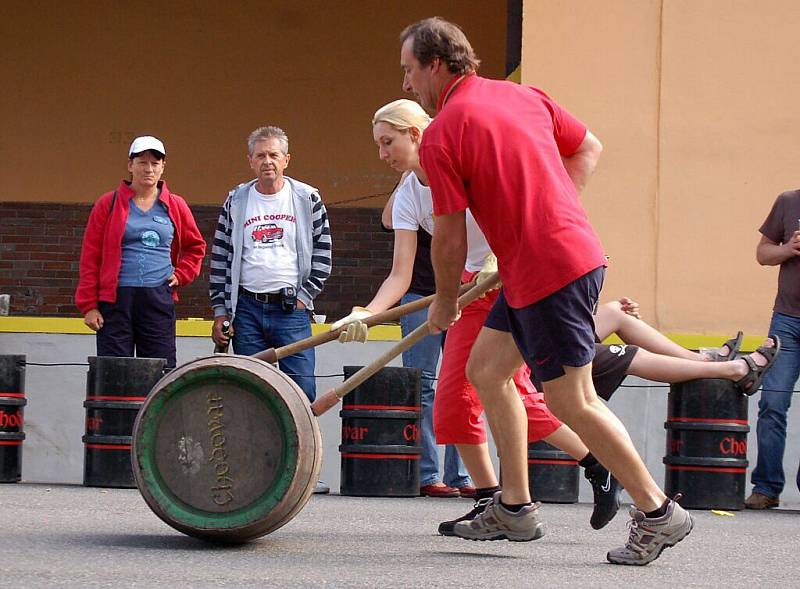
733, 345
750, 382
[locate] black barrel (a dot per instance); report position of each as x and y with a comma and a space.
553, 475
115, 391
12, 402
706, 456
380, 448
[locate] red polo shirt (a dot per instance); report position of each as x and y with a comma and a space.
495, 147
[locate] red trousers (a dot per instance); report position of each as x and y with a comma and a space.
456, 408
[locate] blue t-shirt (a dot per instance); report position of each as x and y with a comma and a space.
146, 247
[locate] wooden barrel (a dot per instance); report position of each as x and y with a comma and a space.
115, 390
706, 455
12, 403
226, 449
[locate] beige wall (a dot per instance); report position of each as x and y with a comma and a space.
80, 79
695, 102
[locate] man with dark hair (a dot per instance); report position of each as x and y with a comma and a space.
779, 246
518, 160
435, 38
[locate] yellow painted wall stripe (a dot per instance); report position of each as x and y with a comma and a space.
202, 328
184, 327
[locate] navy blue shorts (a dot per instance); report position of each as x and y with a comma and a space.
556, 331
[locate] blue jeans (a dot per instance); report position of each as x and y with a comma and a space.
776, 397
425, 356
258, 326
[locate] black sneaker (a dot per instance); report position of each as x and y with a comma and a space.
606, 491
446, 528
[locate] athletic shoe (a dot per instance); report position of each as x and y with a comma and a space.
649, 536
606, 491
446, 528
498, 523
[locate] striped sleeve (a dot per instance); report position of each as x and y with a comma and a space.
322, 247
219, 275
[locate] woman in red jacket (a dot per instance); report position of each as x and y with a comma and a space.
140, 244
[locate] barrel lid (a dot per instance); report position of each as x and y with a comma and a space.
7, 436
13, 401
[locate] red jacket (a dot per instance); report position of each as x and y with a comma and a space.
101, 255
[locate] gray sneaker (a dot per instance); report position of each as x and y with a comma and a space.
497, 523
649, 536
446, 528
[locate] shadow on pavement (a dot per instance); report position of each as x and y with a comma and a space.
451, 553
155, 542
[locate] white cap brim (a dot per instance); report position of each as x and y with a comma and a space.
146, 143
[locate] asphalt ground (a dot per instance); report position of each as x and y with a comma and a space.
73, 536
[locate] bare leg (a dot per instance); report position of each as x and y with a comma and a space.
572, 399
668, 369
492, 363
568, 441
479, 464
611, 318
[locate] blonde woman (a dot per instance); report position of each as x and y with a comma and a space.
397, 130
411, 278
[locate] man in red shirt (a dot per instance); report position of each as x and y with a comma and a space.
518, 160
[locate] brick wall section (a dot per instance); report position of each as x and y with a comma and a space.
40, 247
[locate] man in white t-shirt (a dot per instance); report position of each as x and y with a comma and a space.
270, 258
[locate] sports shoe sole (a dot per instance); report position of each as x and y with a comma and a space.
538, 532
673, 540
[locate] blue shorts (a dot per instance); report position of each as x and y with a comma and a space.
556, 331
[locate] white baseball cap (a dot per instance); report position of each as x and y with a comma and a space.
146, 143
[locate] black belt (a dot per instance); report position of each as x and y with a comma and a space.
263, 297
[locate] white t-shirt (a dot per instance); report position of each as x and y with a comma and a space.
413, 208
269, 252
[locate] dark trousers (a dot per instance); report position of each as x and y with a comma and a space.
141, 323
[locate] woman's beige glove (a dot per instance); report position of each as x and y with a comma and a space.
489, 268
356, 329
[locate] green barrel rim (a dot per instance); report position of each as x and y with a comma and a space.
177, 509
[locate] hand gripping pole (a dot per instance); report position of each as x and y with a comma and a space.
330, 399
